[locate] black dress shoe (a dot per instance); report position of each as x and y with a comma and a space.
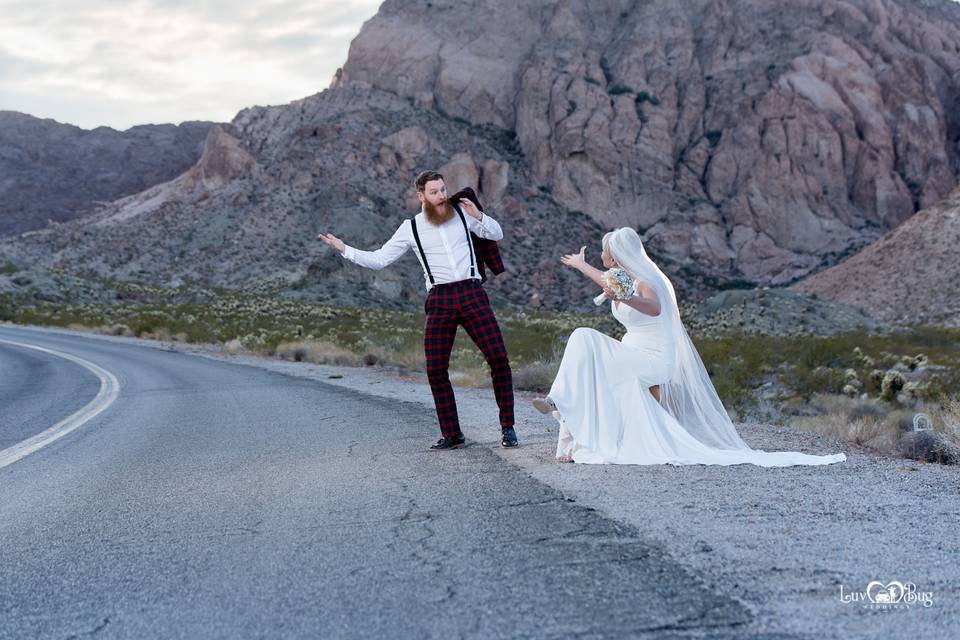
449, 442
508, 438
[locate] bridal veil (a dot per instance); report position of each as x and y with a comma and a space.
689, 395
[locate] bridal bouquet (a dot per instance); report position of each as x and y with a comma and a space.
620, 282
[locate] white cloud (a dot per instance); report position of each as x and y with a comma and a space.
121, 63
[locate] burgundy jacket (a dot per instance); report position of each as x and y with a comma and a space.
488, 253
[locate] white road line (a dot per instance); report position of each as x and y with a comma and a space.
109, 389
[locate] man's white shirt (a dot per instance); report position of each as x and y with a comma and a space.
445, 247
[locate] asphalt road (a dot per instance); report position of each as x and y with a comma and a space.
38, 389
212, 500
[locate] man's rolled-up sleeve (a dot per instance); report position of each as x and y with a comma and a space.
486, 227
386, 255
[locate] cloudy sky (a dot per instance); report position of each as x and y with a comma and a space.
125, 62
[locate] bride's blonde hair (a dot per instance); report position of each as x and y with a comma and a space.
605, 243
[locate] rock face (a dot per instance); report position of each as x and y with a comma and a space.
758, 140
911, 276
52, 171
223, 159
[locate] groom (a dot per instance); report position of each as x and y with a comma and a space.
441, 236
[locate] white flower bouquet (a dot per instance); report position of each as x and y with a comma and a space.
620, 282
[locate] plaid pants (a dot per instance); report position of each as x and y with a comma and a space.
448, 306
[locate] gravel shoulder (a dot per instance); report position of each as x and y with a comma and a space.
784, 541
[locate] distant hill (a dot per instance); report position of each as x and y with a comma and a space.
54, 171
910, 276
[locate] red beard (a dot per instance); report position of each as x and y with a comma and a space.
437, 215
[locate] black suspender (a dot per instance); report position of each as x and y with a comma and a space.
473, 265
423, 256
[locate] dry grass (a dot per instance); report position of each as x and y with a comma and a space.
536, 376
871, 432
160, 333
473, 377
317, 352
406, 357
946, 416
874, 424
114, 329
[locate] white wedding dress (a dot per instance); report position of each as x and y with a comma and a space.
608, 415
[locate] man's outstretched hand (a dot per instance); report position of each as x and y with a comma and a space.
333, 241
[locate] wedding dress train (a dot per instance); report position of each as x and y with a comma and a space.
608, 415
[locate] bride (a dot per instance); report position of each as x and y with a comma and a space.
645, 399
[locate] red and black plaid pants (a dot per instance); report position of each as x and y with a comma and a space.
451, 305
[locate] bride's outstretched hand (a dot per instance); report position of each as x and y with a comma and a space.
575, 260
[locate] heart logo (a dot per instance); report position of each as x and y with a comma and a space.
889, 593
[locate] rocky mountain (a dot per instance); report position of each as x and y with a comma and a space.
53, 171
910, 276
248, 213
749, 140
759, 139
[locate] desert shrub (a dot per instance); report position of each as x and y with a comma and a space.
891, 384
865, 408
233, 347
119, 330
535, 376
